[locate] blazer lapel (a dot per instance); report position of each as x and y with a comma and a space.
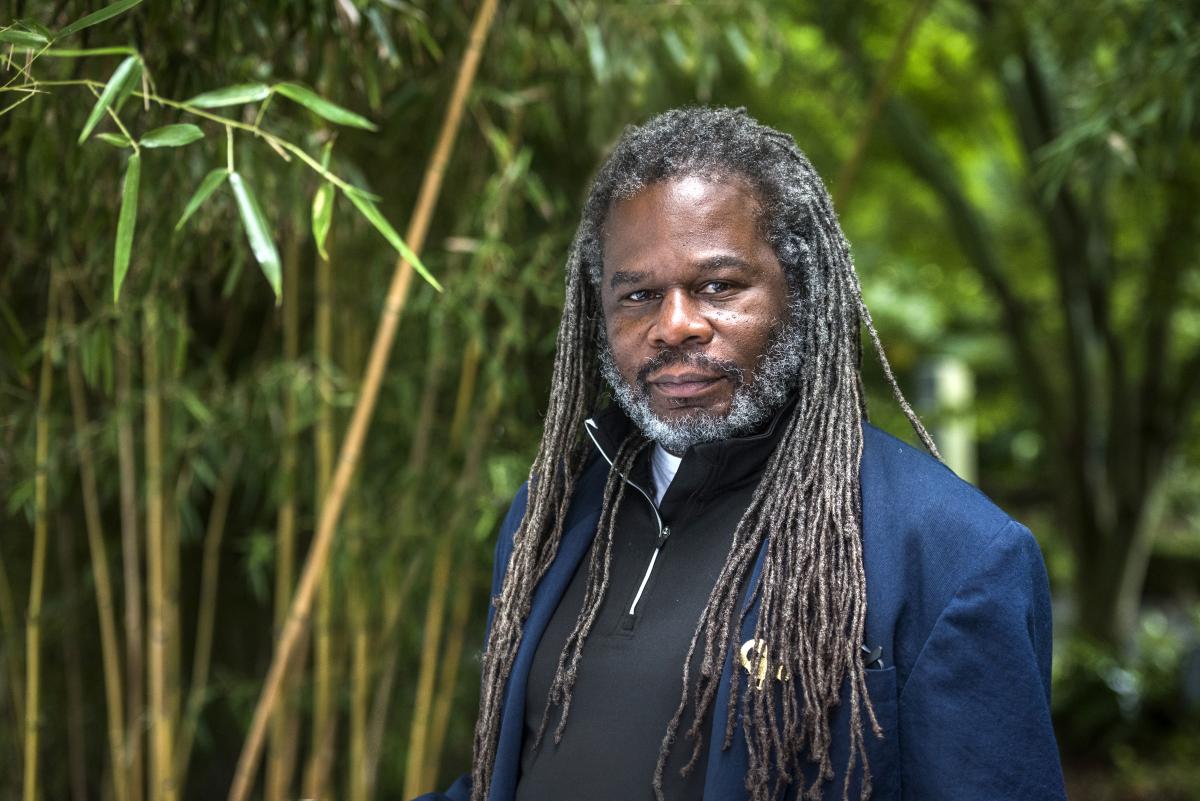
577, 538
724, 780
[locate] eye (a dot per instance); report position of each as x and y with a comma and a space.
715, 287
639, 296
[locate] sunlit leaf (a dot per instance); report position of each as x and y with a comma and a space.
177, 135
376, 218
209, 185
259, 234
322, 107
126, 223
597, 54
231, 96
116, 140
23, 38
108, 12
322, 216
125, 76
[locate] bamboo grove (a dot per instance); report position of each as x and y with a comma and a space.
278, 288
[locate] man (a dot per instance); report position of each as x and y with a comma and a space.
726, 584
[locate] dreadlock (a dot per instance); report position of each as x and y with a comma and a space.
806, 508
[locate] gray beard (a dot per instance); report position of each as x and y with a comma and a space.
754, 400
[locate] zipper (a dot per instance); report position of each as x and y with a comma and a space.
664, 531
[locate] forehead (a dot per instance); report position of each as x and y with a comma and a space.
683, 215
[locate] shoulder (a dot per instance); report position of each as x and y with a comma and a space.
588, 493
927, 533
919, 501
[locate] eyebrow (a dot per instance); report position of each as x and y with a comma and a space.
626, 277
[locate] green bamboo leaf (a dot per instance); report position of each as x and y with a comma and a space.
23, 38
259, 234
322, 217
231, 96
322, 107
209, 185
116, 140
36, 27
376, 218
177, 135
126, 222
108, 12
125, 76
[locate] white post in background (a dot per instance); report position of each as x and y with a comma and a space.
950, 385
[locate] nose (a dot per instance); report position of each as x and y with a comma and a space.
680, 322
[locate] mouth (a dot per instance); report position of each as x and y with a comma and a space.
685, 384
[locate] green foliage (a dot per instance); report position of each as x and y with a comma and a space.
258, 233
126, 222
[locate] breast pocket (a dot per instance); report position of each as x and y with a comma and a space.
883, 754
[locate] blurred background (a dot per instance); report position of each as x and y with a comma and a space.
1019, 182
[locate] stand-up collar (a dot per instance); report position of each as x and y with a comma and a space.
707, 468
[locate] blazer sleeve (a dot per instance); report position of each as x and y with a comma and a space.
975, 709
460, 790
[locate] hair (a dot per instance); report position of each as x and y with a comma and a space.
806, 510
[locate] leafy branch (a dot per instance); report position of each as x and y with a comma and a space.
35, 41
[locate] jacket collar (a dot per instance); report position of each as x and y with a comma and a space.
707, 468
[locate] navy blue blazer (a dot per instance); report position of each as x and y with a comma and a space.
956, 596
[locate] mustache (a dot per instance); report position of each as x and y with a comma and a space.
670, 358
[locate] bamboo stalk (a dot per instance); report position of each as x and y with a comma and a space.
352, 346
383, 692
359, 692
318, 555
8, 624
448, 678
173, 624
76, 739
109, 646
33, 614
435, 614
162, 788
321, 757
209, 581
279, 763
172, 628
131, 565
879, 95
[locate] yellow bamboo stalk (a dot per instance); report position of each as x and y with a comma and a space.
8, 635
448, 678
131, 565
395, 600
161, 767
435, 614
318, 556
76, 738
381, 700
360, 687
172, 628
352, 345
33, 614
209, 581
316, 775
280, 760
109, 647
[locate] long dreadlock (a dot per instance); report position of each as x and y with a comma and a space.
806, 508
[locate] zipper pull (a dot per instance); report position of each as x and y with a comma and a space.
662, 536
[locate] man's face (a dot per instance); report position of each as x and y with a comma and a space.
694, 299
